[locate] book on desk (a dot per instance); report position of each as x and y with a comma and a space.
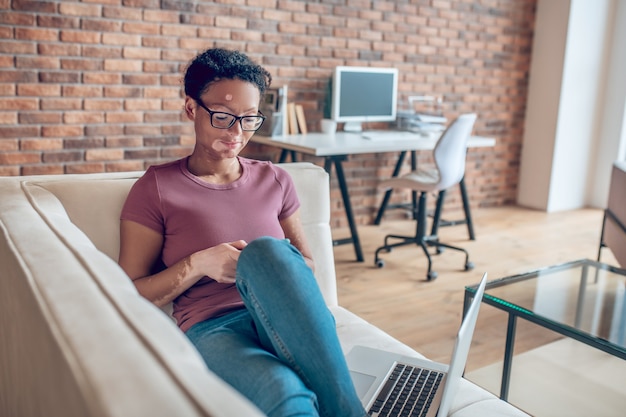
274, 107
421, 122
281, 118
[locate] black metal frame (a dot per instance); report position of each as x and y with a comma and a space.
516, 312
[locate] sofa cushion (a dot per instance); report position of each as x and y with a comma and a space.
83, 200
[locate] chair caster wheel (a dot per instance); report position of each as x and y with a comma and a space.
439, 250
431, 276
469, 266
380, 263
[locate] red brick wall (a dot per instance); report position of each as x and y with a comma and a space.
94, 86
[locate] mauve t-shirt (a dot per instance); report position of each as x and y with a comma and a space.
193, 215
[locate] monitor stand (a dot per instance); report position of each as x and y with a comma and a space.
352, 127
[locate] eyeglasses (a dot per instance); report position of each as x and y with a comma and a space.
223, 120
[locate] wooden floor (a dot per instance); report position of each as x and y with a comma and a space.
426, 315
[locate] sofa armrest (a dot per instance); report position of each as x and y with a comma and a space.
312, 185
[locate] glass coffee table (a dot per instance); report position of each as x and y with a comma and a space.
583, 300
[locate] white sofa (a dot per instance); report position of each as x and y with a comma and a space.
77, 340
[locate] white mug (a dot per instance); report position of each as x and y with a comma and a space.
328, 126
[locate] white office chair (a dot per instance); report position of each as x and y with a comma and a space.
449, 155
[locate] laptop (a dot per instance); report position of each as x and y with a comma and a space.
390, 384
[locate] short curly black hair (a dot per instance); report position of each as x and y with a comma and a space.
217, 64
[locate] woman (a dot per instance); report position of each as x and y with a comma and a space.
221, 237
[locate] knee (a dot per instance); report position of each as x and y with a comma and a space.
265, 245
272, 260
267, 252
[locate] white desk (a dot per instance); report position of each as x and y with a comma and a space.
342, 143
335, 148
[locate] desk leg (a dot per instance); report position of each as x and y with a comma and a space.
414, 193
508, 357
466, 208
383, 205
328, 165
346, 203
283, 156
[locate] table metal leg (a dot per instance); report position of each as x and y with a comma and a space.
284, 153
328, 165
467, 210
508, 357
383, 205
343, 186
414, 193
508, 349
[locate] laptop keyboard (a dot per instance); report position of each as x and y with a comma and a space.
408, 392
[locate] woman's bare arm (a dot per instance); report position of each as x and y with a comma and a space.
292, 227
140, 250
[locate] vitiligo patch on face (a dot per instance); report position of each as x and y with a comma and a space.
228, 97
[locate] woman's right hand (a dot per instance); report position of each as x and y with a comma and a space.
140, 250
218, 262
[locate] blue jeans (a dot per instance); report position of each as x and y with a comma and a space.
281, 352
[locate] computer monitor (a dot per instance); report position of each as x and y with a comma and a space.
364, 94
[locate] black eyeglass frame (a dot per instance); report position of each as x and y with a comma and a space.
235, 118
